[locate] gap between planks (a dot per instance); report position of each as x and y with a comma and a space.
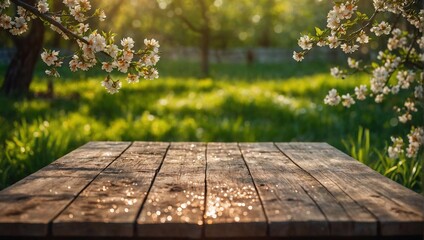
150, 187
50, 225
257, 191
376, 230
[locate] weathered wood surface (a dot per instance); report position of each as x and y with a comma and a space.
175, 203
209, 190
29, 206
233, 207
398, 209
110, 204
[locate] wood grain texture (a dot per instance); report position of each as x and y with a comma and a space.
233, 207
175, 203
217, 190
110, 204
30, 205
362, 185
290, 210
327, 200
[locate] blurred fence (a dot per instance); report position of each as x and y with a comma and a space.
242, 55
234, 55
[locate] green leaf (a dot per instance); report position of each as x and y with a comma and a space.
318, 31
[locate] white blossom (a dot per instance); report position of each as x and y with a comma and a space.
333, 41
133, 78
4, 4
78, 13
85, 5
347, 100
122, 65
378, 5
5, 21
127, 43
70, 3
349, 48
150, 60
298, 56
73, 64
43, 6
332, 98
360, 92
379, 98
321, 42
127, 55
150, 73
305, 42
82, 28
96, 42
381, 28
50, 58
397, 148
410, 106
112, 50
352, 63
415, 139
19, 26
379, 79
152, 44
102, 16
107, 66
338, 13
52, 72
405, 117
337, 73
362, 38
405, 78
395, 89
111, 86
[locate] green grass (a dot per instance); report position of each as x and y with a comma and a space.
273, 102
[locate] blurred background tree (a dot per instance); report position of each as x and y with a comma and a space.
213, 25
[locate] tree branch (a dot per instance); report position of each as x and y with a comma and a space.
411, 46
189, 24
353, 34
50, 20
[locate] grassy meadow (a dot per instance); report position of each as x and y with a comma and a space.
260, 102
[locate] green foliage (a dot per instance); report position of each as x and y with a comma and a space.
405, 171
360, 149
29, 148
260, 102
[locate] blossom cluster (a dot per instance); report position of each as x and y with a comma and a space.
397, 69
93, 46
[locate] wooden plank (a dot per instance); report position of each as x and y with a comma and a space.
233, 207
284, 183
397, 192
29, 206
290, 210
110, 205
363, 185
175, 203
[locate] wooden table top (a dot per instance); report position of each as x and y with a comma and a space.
208, 190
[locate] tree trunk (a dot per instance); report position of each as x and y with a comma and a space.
20, 70
205, 53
